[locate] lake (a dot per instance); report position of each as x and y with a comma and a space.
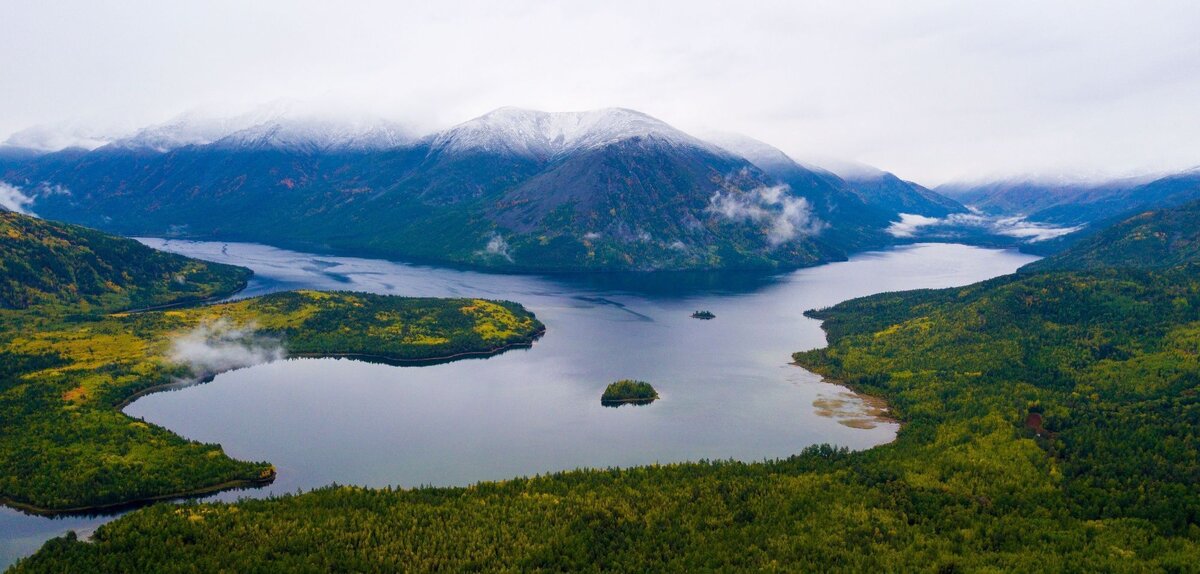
728, 390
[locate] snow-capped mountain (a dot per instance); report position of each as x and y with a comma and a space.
603, 189
269, 127
319, 134
546, 135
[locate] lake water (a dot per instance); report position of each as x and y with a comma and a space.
728, 390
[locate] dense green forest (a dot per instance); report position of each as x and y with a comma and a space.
1050, 424
628, 391
66, 367
44, 262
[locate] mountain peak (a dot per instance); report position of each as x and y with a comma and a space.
544, 135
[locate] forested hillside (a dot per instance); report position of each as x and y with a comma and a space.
1050, 424
44, 262
1153, 239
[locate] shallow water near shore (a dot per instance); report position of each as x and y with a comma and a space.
727, 388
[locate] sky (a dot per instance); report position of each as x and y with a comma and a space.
934, 91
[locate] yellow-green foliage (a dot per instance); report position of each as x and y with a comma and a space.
65, 445
45, 263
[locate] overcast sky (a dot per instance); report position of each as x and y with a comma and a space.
932, 90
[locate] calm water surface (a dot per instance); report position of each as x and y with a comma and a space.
727, 388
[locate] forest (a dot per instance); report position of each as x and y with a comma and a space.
70, 360
48, 264
1050, 424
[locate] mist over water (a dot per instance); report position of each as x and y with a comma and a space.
728, 390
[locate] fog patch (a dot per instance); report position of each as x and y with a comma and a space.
910, 223
13, 199
786, 216
1017, 227
497, 246
217, 346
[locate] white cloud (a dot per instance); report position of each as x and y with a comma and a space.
13, 199
217, 346
785, 216
910, 225
497, 246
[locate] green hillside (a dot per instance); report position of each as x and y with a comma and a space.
1155, 239
44, 262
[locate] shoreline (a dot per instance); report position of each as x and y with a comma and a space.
117, 507
208, 377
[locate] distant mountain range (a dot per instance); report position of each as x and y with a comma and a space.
1077, 203
514, 189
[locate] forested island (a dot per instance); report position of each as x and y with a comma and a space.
628, 392
1102, 480
70, 358
703, 315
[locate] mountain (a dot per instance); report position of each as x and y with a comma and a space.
1023, 197
1073, 203
1153, 239
890, 193
513, 189
43, 262
864, 203
1107, 202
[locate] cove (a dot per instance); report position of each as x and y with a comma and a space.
727, 390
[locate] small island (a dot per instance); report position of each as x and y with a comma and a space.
706, 315
628, 392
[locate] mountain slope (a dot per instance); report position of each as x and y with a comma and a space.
43, 262
1020, 197
1103, 203
864, 203
513, 189
1153, 239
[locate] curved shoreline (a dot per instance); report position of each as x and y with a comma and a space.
208, 377
860, 394
115, 507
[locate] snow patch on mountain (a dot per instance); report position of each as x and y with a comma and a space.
319, 134
545, 135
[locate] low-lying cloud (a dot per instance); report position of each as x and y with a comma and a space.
910, 225
786, 216
13, 199
497, 246
217, 346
